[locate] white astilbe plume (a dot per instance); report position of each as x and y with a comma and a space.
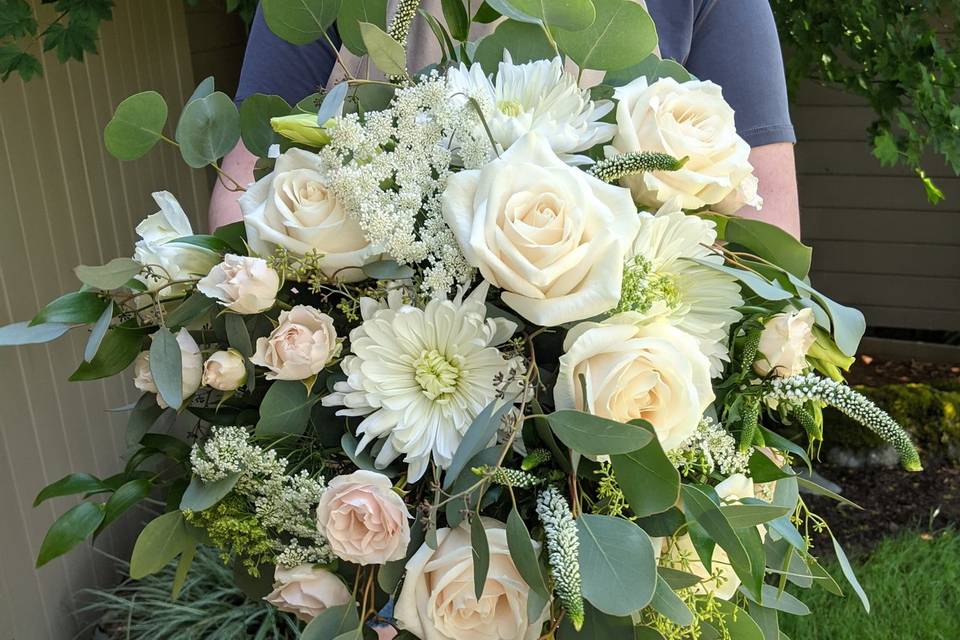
563, 549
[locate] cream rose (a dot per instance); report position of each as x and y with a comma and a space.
191, 362
552, 237
293, 208
304, 341
437, 601
225, 370
691, 120
654, 372
784, 343
241, 284
364, 519
723, 582
306, 591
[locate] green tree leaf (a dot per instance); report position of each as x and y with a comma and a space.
69, 530
525, 42
162, 540
208, 129
648, 479
300, 21
617, 564
622, 35
595, 436
238, 336
352, 13
574, 15
481, 554
70, 485
189, 310
166, 367
20, 333
80, 307
285, 408
144, 415
136, 126
386, 53
112, 275
457, 509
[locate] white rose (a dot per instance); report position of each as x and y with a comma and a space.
242, 284
364, 519
691, 120
784, 343
293, 208
552, 237
191, 362
723, 583
654, 372
307, 591
157, 249
438, 602
304, 341
225, 370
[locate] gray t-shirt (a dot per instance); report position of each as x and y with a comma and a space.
731, 42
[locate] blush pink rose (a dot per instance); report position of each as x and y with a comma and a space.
307, 591
304, 341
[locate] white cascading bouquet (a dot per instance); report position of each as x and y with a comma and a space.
489, 357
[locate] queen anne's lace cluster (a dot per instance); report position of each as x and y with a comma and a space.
856, 406
283, 504
710, 448
563, 549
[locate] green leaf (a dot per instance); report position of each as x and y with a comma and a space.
69, 530
524, 557
352, 13
622, 35
648, 479
574, 15
595, 436
507, 10
597, 625
848, 323
97, 333
820, 490
183, 569
112, 275
189, 310
80, 307
388, 577
457, 19
127, 495
300, 21
255, 129
849, 574
162, 540
332, 105
741, 516
388, 270
119, 348
70, 485
652, 68
238, 336
773, 598
136, 126
20, 333
770, 243
285, 408
677, 579
525, 42
332, 622
166, 367
170, 446
669, 604
738, 623
386, 53
208, 129
481, 554
617, 564
479, 434
457, 509
763, 469
201, 495
210, 243
234, 234
205, 88
756, 283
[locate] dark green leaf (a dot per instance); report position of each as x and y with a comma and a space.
669, 604
162, 540
354, 12
285, 408
648, 479
144, 415
386, 53
119, 348
595, 436
166, 367
189, 310
69, 530
479, 435
457, 19
332, 622
750, 515
677, 579
112, 275
481, 554
20, 333
661, 525
300, 21
70, 485
775, 440
597, 625
201, 495
170, 446
524, 556
210, 243
622, 35
136, 126
770, 243
127, 495
820, 490
388, 577
763, 469
80, 307
652, 68
234, 234
457, 509
617, 564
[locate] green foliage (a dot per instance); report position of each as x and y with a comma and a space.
235, 531
900, 56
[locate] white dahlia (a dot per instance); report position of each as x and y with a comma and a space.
420, 376
536, 96
662, 280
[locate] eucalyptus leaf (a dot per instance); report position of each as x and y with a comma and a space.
205, 88
773, 598
648, 479
669, 604
238, 336
163, 539
750, 515
849, 574
595, 436
354, 12
677, 579
524, 41
20, 333
617, 564
183, 569
481, 554
388, 270
69, 530
756, 283
285, 408
598, 625
331, 622
508, 10
97, 333
300, 21
255, 114
818, 489
524, 557
208, 129
480, 434
623, 34
136, 125
80, 307
332, 105
652, 68
574, 15
107, 277
456, 509
201, 495
849, 324
770, 243
190, 310
386, 53
166, 367
118, 349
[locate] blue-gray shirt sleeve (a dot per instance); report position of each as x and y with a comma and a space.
272, 65
735, 44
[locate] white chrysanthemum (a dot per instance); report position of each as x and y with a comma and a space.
420, 376
662, 280
536, 96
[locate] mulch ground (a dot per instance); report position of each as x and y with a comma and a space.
875, 371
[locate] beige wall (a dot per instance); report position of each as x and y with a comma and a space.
65, 201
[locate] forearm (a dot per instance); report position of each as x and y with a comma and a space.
238, 164
775, 168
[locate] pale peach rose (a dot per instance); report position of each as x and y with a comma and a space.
438, 601
363, 519
307, 591
304, 341
225, 370
242, 284
784, 343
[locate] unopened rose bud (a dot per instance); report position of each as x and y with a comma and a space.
225, 370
